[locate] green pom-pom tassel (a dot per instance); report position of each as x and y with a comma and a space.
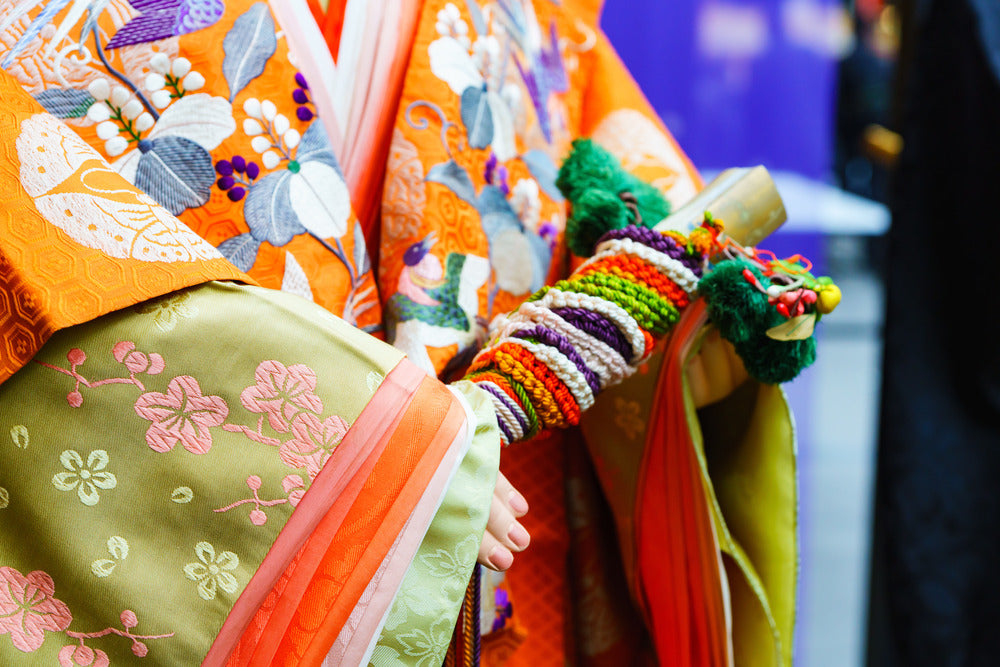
594, 182
588, 167
736, 308
776, 361
594, 214
743, 316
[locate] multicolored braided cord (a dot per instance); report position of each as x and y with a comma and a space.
548, 360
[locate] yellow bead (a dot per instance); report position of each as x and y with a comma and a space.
829, 297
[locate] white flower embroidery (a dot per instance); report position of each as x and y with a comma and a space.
272, 132
171, 80
86, 479
451, 24
213, 572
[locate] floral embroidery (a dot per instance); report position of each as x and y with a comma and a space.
118, 548
124, 352
628, 417
4, 498
282, 392
182, 495
135, 361
169, 310
80, 653
424, 648
212, 572
28, 608
171, 80
303, 98
313, 443
452, 565
19, 435
181, 415
257, 516
77, 655
295, 488
86, 479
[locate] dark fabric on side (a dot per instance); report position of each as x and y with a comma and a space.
936, 570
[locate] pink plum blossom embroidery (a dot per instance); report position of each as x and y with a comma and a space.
125, 352
81, 655
136, 361
282, 393
181, 415
295, 488
28, 610
76, 655
313, 443
257, 516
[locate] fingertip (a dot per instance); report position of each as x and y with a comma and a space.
519, 536
500, 558
517, 503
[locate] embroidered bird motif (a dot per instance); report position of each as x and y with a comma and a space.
432, 307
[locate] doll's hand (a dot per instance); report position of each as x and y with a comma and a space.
504, 534
716, 371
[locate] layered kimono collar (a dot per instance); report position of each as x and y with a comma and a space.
77, 241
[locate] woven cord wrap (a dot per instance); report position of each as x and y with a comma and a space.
551, 357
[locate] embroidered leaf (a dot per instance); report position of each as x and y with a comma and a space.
496, 212
118, 547
476, 14
544, 170
320, 199
796, 328
161, 19
65, 102
19, 434
182, 495
541, 258
315, 147
361, 262
268, 210
103, 567
4, 498
202, 118
477, 117
176, 172
453, 176
248, 46
504, 142
295, 281
241, 250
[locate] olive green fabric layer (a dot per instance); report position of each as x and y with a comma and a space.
149, 459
